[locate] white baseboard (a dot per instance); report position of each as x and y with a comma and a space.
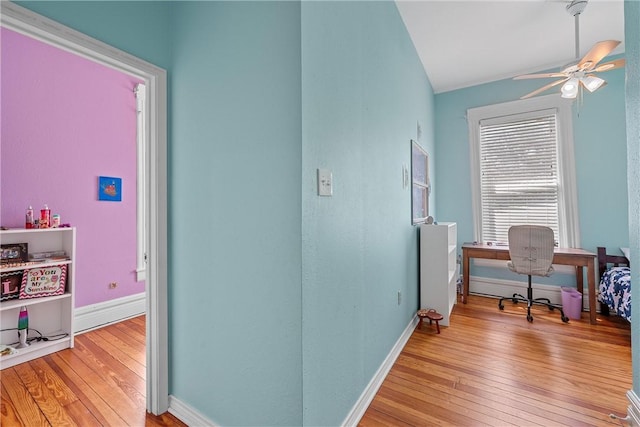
192, 417
187, 414
370, 391
502, 288
96, 315
633, 411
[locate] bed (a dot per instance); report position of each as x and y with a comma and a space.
614, 291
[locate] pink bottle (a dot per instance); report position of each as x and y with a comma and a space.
45, 217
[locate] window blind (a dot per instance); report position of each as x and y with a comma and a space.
519, 173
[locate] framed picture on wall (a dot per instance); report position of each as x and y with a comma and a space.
109, 188
420, 185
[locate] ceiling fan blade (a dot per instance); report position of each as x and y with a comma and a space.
545, 87
539, 76
597, 52
618, 63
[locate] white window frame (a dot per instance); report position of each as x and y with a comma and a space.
568, 221
141, 216
416, 184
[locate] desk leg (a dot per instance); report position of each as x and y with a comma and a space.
580, 285
591, 283
579, 279
465, 276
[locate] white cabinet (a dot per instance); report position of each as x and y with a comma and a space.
438, 268
52, 316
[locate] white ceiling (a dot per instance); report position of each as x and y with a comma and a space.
464, 43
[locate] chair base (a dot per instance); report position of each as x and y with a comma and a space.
515, 298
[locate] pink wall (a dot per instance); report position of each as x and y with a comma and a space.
64, 122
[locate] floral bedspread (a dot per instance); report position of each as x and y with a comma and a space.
615, 291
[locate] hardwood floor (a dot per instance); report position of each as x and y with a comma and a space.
495, 368
487, 368
100, 382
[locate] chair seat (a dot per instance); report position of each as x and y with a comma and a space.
534, 272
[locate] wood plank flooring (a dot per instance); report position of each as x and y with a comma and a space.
495, 368
99, 382
487, 368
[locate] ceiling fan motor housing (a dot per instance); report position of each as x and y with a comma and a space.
576, 7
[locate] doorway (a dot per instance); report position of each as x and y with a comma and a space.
23, 21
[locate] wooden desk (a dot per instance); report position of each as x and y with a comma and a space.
578, 258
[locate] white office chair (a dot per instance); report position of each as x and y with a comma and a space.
531, 253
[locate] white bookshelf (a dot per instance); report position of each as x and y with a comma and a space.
438, 255
52, 315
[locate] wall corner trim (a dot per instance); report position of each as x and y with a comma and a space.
187, 414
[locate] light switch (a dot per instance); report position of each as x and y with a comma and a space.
325, 182
405, 176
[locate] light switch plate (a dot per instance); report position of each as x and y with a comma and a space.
325, 182
405, 176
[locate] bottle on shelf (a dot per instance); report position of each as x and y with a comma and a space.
29, 218
45, 217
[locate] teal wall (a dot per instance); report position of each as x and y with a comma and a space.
282, 305
632, 50
600, 157
235, 218
117, 24
364, 91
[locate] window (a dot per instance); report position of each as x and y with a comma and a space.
522, 168
420, 188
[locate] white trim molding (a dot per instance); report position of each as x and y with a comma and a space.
98, 315
141, 183
187, 414
361, 405
633, 411
501, 288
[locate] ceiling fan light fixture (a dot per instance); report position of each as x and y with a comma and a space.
580, 74
592, 83
570, 88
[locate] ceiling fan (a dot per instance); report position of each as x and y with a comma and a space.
582, 73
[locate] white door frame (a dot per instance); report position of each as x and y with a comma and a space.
38, 27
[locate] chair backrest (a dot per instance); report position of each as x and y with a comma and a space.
531, 249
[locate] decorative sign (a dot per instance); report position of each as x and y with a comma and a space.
43, 282
10, 285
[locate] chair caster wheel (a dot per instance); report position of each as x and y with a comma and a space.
551, 308
529, 318
565, 319
501, 307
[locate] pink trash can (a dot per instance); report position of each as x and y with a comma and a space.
571, 302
